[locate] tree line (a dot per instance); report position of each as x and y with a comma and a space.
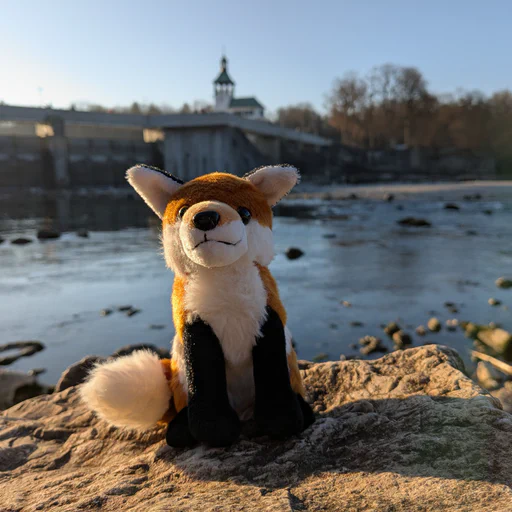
389, 107
197, 106
392, 106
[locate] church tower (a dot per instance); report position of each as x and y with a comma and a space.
223, 88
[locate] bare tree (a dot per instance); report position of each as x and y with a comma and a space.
347, 104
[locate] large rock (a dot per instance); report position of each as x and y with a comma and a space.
407, 432
20, 348
16, 386
162, 353
504, 394
498, 339
77, 372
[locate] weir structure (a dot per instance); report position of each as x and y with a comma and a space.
188, 144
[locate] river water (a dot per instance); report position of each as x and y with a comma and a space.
354, 250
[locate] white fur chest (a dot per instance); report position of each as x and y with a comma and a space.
232, 301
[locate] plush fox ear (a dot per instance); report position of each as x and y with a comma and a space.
274, 181
154, 186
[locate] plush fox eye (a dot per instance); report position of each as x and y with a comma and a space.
245, 214
182, 211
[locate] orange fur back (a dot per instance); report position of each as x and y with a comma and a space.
179, 315
273, 299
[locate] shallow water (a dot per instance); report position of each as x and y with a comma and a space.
53, 291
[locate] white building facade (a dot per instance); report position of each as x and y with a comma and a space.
224, 97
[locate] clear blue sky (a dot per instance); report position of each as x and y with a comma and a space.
115, 52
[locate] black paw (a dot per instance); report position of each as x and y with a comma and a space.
216, 427
307, 412
280, 418
178, 431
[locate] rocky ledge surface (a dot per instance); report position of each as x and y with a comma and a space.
405, 432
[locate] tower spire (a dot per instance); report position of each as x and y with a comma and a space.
223, 87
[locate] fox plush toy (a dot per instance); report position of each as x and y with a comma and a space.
232, 356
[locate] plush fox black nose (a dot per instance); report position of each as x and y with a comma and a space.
206, 220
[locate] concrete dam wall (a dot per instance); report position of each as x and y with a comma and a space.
31, 161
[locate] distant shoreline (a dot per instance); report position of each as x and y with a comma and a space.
379, 190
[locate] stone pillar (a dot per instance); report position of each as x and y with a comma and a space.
189, 152
58, 146
173, 153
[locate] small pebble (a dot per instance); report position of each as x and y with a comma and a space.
451, 307
472, 197
401, 339
434, 325
48, 234
471, 330
391, 328
414, 222
293, 253
420, 330
21, 241
36, 371
371, 344
366, 340
501, 282
451, 324
320, 357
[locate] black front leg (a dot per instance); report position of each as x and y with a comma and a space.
178, 431
211, 418
277, 410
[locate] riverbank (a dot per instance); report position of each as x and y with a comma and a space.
409, 190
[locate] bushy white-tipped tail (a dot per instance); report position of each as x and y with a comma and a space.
131, 391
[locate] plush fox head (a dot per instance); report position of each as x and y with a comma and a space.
217, 219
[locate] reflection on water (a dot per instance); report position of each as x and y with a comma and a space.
65, 211
54, 291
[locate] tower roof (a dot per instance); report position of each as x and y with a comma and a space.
223, 77
249, 102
